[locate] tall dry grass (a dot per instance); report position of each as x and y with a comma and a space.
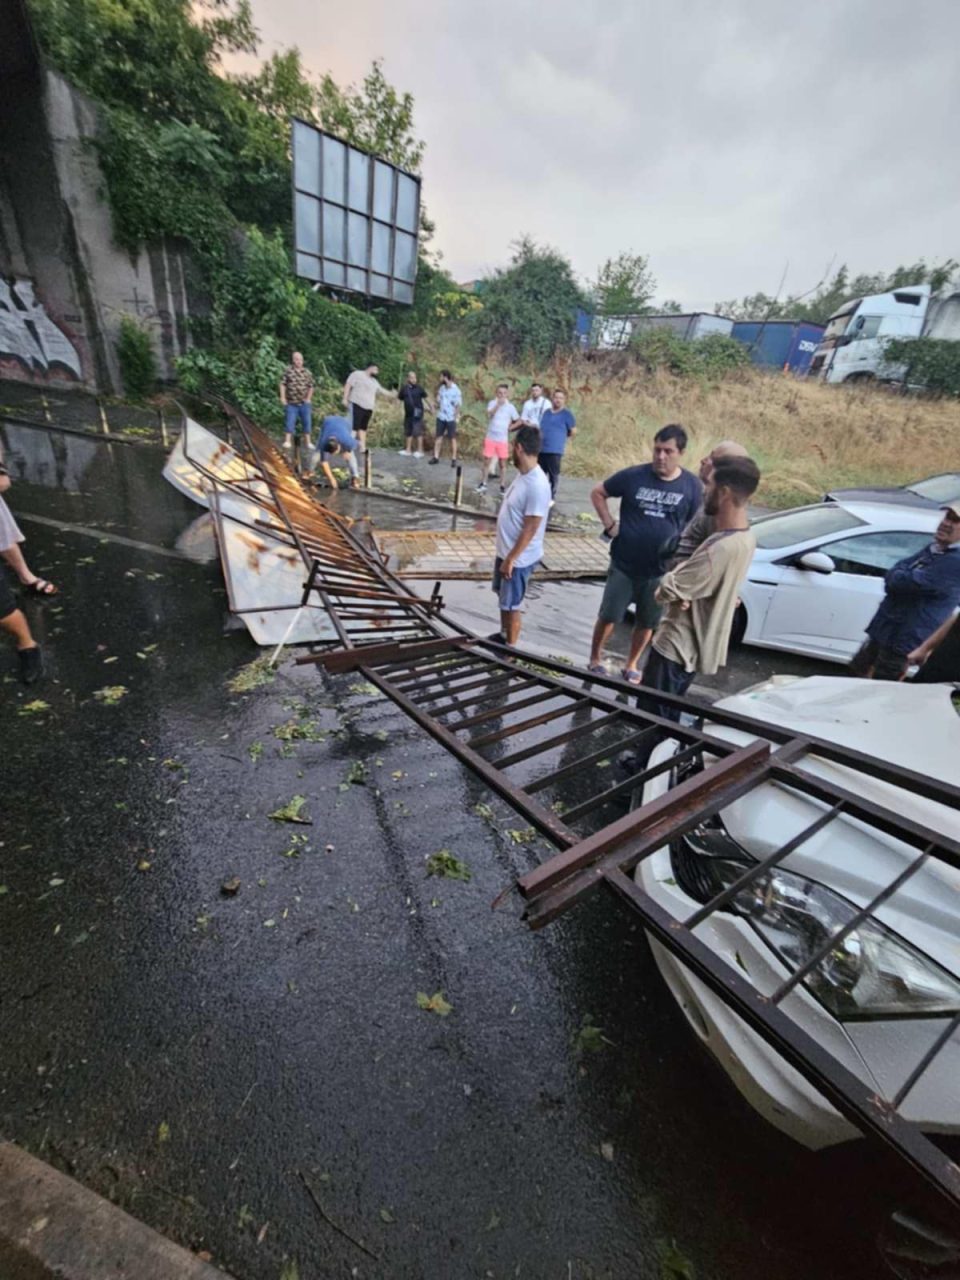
806, 438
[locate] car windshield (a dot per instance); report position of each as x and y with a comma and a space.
774, 532
938, 488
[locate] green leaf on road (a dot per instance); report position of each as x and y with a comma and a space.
111, 694
434, 1004
163, 1132
253, 676
35, 708
291, 812
443, 863
673, 1264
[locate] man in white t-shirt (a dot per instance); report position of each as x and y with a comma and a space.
521, 523
535, 406
501, 415
360, 393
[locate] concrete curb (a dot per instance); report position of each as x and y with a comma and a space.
52, 1228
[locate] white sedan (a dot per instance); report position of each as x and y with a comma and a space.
883, 995
816, 578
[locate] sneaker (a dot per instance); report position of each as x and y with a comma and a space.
434, 461
552, 504
418, 454
31, 664
481, 487
403, 453
287, 443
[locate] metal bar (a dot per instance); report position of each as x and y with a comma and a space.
854, 1099
467, 666
336, 662
945, 1035
570, 770
459, 704
511, 729
700, 794
629, 784
543, 819
504, 709
857, 919
758, 868
558, 739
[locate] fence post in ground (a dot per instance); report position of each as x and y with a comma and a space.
367, 468
163, 427
458, 487
104, 424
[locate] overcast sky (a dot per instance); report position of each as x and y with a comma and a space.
723, 138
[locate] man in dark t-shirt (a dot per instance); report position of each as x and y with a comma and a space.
414, 398
657, 499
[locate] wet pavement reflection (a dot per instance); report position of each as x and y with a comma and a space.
190, 1054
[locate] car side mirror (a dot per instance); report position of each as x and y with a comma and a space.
816, 562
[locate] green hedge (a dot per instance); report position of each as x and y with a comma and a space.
336, 338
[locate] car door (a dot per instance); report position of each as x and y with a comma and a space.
826, 614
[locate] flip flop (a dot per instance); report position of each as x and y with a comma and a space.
597, 669
631, 676
40, 587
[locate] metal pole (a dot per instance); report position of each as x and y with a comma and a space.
458, 487
367, 468
163, 428
46, 408
104, 424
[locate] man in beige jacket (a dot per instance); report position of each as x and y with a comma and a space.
700, 594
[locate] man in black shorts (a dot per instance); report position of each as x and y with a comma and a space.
449, 402
415, 401
360, 393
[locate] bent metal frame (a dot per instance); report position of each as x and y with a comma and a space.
534, 730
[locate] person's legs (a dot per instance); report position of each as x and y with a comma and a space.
13, 621
648, 617
550, 465
487, 456
351, 461
306, 421
289, 424
417, 429
361, 419
617, 594
511, 592
503, 448
407, 436
863, 661
14, 558
889, 665
452, 433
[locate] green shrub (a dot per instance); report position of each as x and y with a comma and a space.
710, 356
335, 338
138, 368
248, 377
933, 363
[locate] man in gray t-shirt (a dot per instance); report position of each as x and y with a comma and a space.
521, 524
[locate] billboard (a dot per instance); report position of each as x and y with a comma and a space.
356, 218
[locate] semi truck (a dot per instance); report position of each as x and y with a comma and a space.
852, 348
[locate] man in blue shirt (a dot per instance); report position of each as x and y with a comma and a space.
557, 426
657, 499
922, 591
449, 403
337, 441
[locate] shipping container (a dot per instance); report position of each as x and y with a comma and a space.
779, 344
616, 331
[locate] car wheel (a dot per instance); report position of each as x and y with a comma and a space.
738, 628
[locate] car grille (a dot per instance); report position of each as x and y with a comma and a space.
692, 872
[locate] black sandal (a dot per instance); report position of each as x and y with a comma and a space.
40, 587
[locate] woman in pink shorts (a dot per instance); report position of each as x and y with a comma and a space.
501, 414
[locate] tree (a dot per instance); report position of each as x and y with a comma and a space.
624, 286
530, 306
820, 303
374, 117
670, 307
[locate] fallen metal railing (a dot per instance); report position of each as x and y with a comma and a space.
541, 735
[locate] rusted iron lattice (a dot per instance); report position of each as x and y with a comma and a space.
541, 735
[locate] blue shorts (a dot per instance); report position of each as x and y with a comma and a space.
292, 412
511, 590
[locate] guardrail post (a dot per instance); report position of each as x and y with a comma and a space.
163, 428
367, 468
104, 424
458, 487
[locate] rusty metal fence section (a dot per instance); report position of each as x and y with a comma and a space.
545, 738
469, 554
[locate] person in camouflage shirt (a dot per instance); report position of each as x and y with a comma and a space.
296, 396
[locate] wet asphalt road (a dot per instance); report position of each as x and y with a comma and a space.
194, 1057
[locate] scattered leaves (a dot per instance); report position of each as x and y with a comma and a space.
111, 694
35, 708
163, 1132
299, 731
590, 1038
606, 1150
484, 811
357, 774
255, 751
522, 836
443, 863
673, 1264
252, 676
386, 1216
364, 686
291, 812
434, 1004
290, 1270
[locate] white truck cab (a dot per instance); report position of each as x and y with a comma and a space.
852, 346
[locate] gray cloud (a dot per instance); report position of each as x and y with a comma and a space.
721, 138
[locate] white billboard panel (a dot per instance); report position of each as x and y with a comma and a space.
356, 217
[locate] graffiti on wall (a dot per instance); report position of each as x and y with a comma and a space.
29, 335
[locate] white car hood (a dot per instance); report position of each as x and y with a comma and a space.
915, 726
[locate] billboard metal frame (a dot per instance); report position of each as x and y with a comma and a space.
342, 260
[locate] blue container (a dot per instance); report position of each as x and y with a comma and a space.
779, 343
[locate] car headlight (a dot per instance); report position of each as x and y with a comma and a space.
872, 973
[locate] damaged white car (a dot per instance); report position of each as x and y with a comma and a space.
881, 997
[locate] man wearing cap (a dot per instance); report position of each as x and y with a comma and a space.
922, 592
